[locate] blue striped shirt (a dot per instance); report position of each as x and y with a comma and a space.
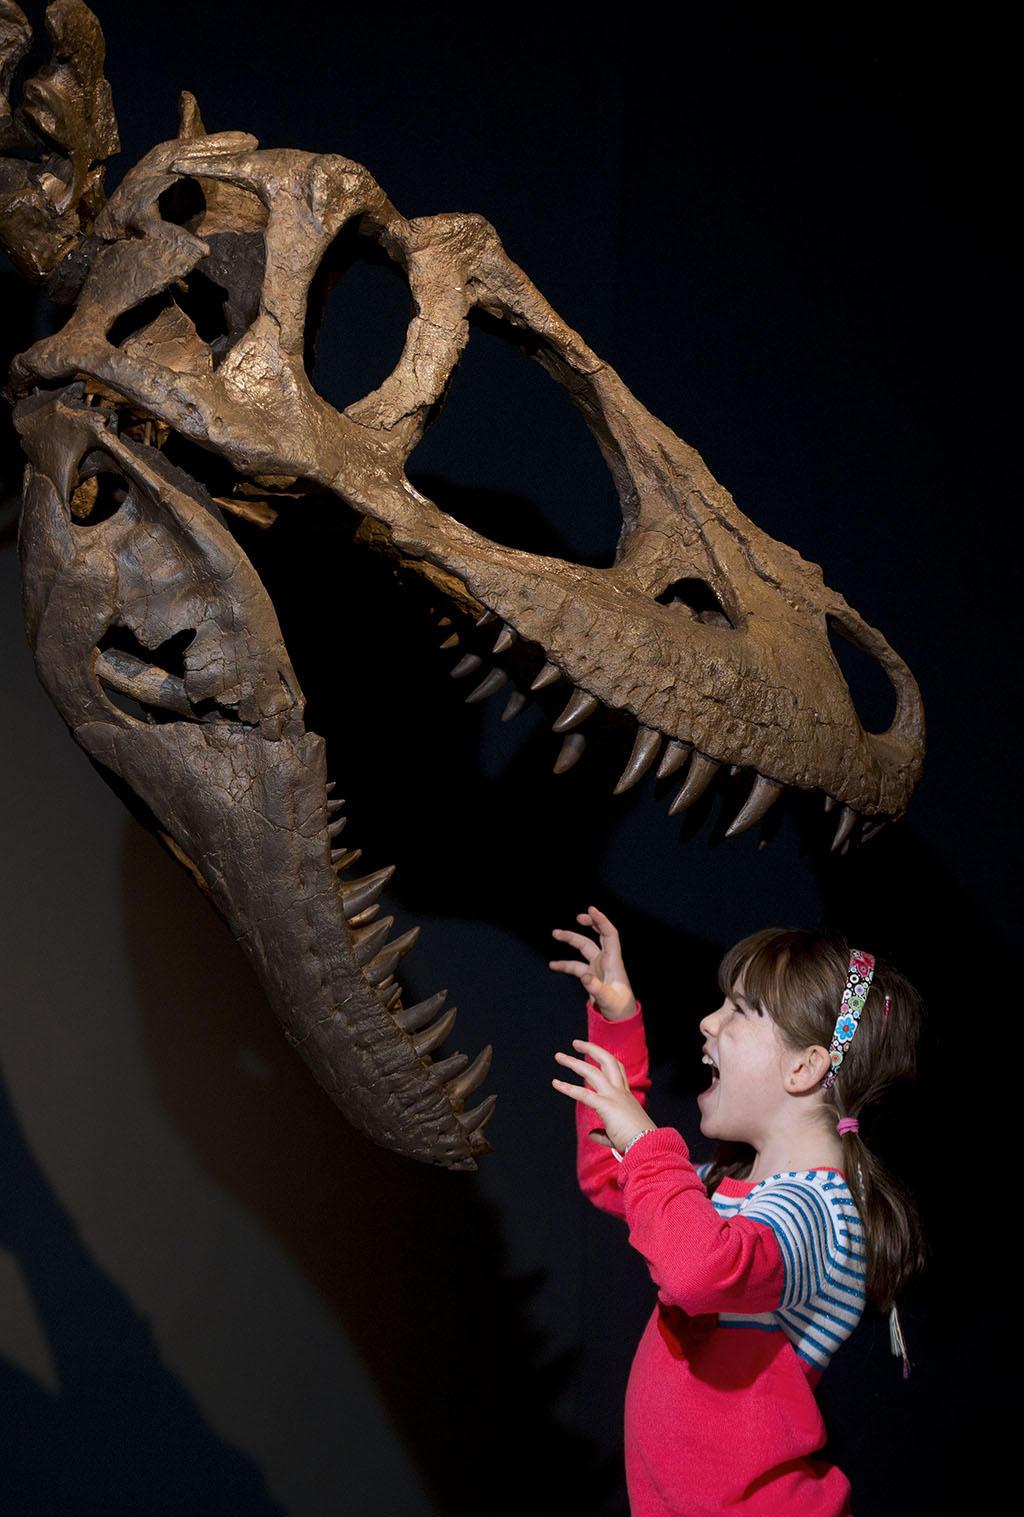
821, 1239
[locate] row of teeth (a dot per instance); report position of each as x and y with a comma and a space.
378, 959
650, 746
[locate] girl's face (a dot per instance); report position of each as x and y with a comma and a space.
747, 1056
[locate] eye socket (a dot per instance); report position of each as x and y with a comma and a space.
357, 316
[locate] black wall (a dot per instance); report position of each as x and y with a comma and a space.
788, 228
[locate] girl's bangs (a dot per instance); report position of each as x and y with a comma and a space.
760, 961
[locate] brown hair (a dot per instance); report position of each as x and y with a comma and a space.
798, 978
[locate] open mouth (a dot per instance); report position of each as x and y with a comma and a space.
714, 1070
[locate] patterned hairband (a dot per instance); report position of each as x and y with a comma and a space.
858, 983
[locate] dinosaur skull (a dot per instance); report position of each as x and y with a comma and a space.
159, 645
147, 574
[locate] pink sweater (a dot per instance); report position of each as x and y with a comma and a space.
756, 1288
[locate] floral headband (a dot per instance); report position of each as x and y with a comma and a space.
858, 983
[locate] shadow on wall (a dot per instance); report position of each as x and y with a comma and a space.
121, 1434
410, 1260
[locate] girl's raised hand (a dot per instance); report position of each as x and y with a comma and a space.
607, 1092
600, 970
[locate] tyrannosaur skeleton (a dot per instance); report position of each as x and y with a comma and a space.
160, 646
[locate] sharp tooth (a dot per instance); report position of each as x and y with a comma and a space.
830, 802
579, 707
331, 786
702, 771
515, 703
847, 822
336, 826
465, 1084
447, 1069
412, 1018
468, 664
334, 806
450, 642
356, 895
342, 858
487, 686
547, 676
872, 829
645, 751
378, 970
368, 941
570, 752
434, 1036
504, 640
475, 1119
444, 621
485, 617
362, 917
673, 758
762, 797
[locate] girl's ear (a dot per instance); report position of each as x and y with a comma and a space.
807, 1068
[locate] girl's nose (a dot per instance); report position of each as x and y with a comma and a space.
709, 1024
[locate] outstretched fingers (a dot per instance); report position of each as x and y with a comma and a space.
605, 1090
599, 968
584, 945
578, 1093
592, 917
601, 1069
606, 1062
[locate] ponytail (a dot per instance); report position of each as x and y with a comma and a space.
892, 1229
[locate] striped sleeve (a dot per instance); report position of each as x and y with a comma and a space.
820, 1238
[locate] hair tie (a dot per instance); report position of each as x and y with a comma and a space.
855, 993
847, 1124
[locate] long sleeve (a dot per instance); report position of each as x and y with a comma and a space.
596, 1166
699, 1260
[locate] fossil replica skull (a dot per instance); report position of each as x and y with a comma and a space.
159, 645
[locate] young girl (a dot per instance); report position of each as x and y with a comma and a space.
758, 1285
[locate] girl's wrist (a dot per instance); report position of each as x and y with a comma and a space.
636, 1138
630, 1009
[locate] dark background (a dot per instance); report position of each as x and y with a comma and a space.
789, 229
